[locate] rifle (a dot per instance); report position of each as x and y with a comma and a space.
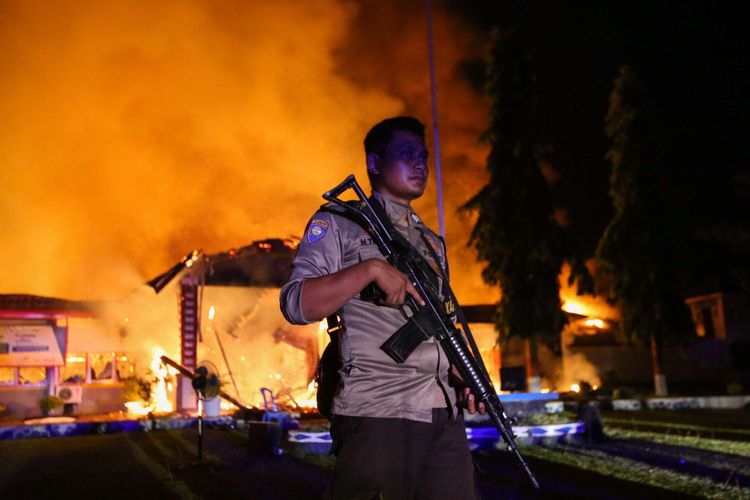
434, 318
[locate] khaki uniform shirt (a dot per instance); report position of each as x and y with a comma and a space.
372, 384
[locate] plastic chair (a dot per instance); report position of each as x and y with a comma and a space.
272, 412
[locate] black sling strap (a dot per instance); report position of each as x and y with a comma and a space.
459, 311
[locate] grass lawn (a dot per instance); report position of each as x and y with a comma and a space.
655, 455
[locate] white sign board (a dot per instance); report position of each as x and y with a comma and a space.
29, 345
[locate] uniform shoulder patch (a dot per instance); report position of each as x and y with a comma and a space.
318, 229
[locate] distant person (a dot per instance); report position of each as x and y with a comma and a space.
398, 431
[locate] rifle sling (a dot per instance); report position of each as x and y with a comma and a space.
459, 311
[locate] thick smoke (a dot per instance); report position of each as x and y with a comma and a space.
388, 49
133, 132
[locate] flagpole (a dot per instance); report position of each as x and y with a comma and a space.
436, 136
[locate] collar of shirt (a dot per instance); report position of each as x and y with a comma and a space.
402, 216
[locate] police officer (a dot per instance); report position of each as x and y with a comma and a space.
397, 430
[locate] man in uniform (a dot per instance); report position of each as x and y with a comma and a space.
397, 429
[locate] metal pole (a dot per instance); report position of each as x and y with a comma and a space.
200, 426
436, 138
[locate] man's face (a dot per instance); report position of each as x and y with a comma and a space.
401, 172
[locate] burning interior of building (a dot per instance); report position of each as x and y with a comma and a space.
222, 308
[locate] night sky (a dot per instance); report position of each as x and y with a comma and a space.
692, 58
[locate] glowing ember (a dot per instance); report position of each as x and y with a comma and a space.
306, 400
137, 409
574, 307
197, 254
596, 323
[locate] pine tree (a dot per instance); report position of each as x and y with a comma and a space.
640, 249
516, 234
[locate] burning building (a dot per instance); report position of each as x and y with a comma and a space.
55, 347
221, 307
224, 308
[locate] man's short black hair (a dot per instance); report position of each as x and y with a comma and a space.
379, 135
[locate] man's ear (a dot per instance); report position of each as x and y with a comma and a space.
373, 163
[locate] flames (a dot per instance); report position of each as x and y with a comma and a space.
577, 388
162, 390
263, 351
154, 127
306, 401
595, 308
241, 322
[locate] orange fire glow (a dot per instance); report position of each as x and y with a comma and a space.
134, 131
305, 400
595, 323
584, 305
162, 391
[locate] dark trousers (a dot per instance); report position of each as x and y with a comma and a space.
398, 459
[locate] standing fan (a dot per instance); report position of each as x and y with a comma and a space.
206, 385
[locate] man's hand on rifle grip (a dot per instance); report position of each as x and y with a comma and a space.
465, 397
467, 400
394, 284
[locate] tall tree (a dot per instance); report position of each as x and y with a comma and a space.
516, 234
641, 247
732, 229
